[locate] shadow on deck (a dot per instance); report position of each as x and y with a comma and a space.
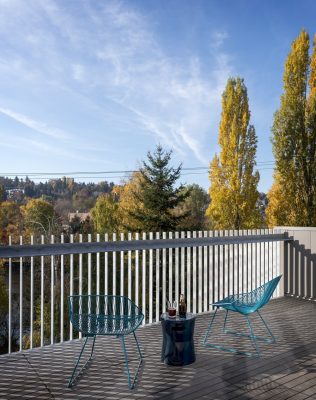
287, 370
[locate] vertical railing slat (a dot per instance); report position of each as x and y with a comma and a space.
194, 286
189, 275
129, 272
144, 281
10, 302
32, 297
52, 283
216, 270
183, 267
157, 281
170, 272
80, 274
205, 277
122, 267
42, 294
150, 299
106, 267
200, 277
21, 298
137, 273
164, 275
98, 268
89, 267
62, 293
71, 284
176, 270
114, 268
210, 274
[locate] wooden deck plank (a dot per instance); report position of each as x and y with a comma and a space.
286, 369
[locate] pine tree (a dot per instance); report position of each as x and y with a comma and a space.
294, 140
157, 195
233, 189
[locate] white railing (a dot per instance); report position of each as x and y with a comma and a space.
148, 268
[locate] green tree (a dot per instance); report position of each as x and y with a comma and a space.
158, 195
294, 140
105, 214
194, 208
40, 217
233, 189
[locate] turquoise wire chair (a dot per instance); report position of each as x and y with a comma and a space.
94, 315
245, 304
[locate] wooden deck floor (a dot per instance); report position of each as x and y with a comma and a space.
287, 370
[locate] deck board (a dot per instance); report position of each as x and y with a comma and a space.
287, 370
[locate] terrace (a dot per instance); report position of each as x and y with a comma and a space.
205, 267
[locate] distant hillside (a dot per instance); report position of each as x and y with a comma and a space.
66, 194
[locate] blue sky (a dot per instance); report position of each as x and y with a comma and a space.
93, 85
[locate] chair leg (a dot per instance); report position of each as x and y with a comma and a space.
138, 347
260, 338
232, 350
224, 327
73, 376
131, 380
270, 333
209, 327
252, 336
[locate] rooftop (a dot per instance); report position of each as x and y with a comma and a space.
287, 370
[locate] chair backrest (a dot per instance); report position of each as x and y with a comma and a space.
101, 304
247, 303
268, 289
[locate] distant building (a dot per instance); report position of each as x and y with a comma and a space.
14, 193
83, 216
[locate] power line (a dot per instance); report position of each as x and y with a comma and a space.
71, 173
115, 176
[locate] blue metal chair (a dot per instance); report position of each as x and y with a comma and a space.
245, 304
94, 315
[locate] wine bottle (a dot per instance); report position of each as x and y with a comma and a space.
182, 307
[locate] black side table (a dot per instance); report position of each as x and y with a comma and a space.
178, 344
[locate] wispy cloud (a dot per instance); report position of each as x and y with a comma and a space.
107, 52
218, 38
37, 126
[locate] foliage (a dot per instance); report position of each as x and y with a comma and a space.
105, 214
11, 222
157, 196
194, 208
40, 217
128, 203
293, 195
233, 189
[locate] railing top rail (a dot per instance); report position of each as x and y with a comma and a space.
101, 247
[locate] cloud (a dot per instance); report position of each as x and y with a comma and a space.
37, 126
107, 53
78, 72
218, 38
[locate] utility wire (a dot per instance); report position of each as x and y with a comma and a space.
69, 174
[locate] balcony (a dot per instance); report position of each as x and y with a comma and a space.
203, 266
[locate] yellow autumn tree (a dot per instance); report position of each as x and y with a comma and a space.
128, 202
293, 194
233, 189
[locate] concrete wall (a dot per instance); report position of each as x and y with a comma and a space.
299, 261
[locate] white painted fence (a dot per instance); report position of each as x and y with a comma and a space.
149, 276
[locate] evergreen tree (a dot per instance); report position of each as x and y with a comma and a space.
294, 140
233, 189
157, 195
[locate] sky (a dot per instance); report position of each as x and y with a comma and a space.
93, 85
